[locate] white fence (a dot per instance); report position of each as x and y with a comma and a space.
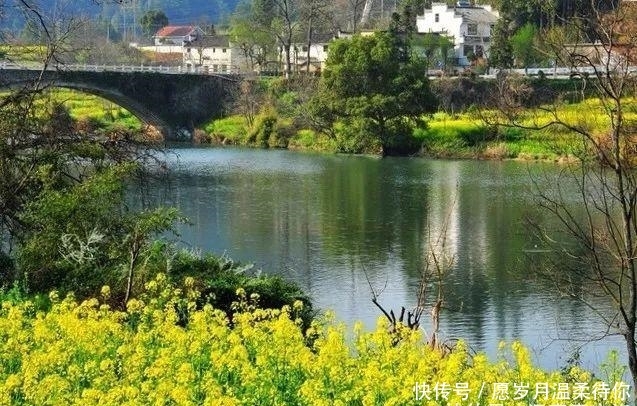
175, 70
556, 72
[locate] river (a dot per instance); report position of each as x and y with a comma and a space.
337, 224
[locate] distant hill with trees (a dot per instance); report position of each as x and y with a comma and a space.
124, 20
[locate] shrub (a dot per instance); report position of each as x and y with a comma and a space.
281, 135
354, 137
219, 278
201, 137
474, 135
264, 126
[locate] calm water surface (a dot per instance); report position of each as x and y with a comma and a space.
330, 223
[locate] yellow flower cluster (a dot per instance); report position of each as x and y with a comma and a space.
88, 354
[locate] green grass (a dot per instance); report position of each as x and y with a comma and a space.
102, 112
231, 130
468, 136
23, 53
309, 140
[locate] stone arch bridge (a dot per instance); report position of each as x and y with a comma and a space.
170, 102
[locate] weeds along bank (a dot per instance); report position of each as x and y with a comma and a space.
165, 349
275, 114
446, 136
467, 124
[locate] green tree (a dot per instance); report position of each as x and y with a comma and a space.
262, 26
256, 45
408, 10
79, 236
501, 51
434, 48
523, 46
373, 85
152, 21
62, 214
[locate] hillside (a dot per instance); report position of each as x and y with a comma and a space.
178, 11
123, 16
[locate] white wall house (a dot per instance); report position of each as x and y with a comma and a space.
170, 39
469, 27
214, 53
319, 47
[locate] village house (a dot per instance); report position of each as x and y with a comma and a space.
469, 27
170, 39
318, 49
215, 53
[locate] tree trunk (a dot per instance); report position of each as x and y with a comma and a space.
632, 357
288, 62
134, 253
309, 43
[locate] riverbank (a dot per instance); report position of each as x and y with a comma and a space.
451, 136
460, 136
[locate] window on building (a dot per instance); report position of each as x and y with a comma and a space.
472, 29
437, 17
324, 48
223, 50
224, 68
304, 48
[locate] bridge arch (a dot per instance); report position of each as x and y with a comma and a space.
142, 113
168, 102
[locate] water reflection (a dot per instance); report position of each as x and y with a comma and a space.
331, 223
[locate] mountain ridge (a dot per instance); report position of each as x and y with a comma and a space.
123, 17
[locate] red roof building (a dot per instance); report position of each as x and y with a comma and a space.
177, 34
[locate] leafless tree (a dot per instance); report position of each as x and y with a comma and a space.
437, 266
250, 98
350, 13
283, 27
315, 14
595, 199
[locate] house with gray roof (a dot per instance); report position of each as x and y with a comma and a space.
470, 28
215, 53
313, 55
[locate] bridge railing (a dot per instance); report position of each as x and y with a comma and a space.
552, 72
177, 70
